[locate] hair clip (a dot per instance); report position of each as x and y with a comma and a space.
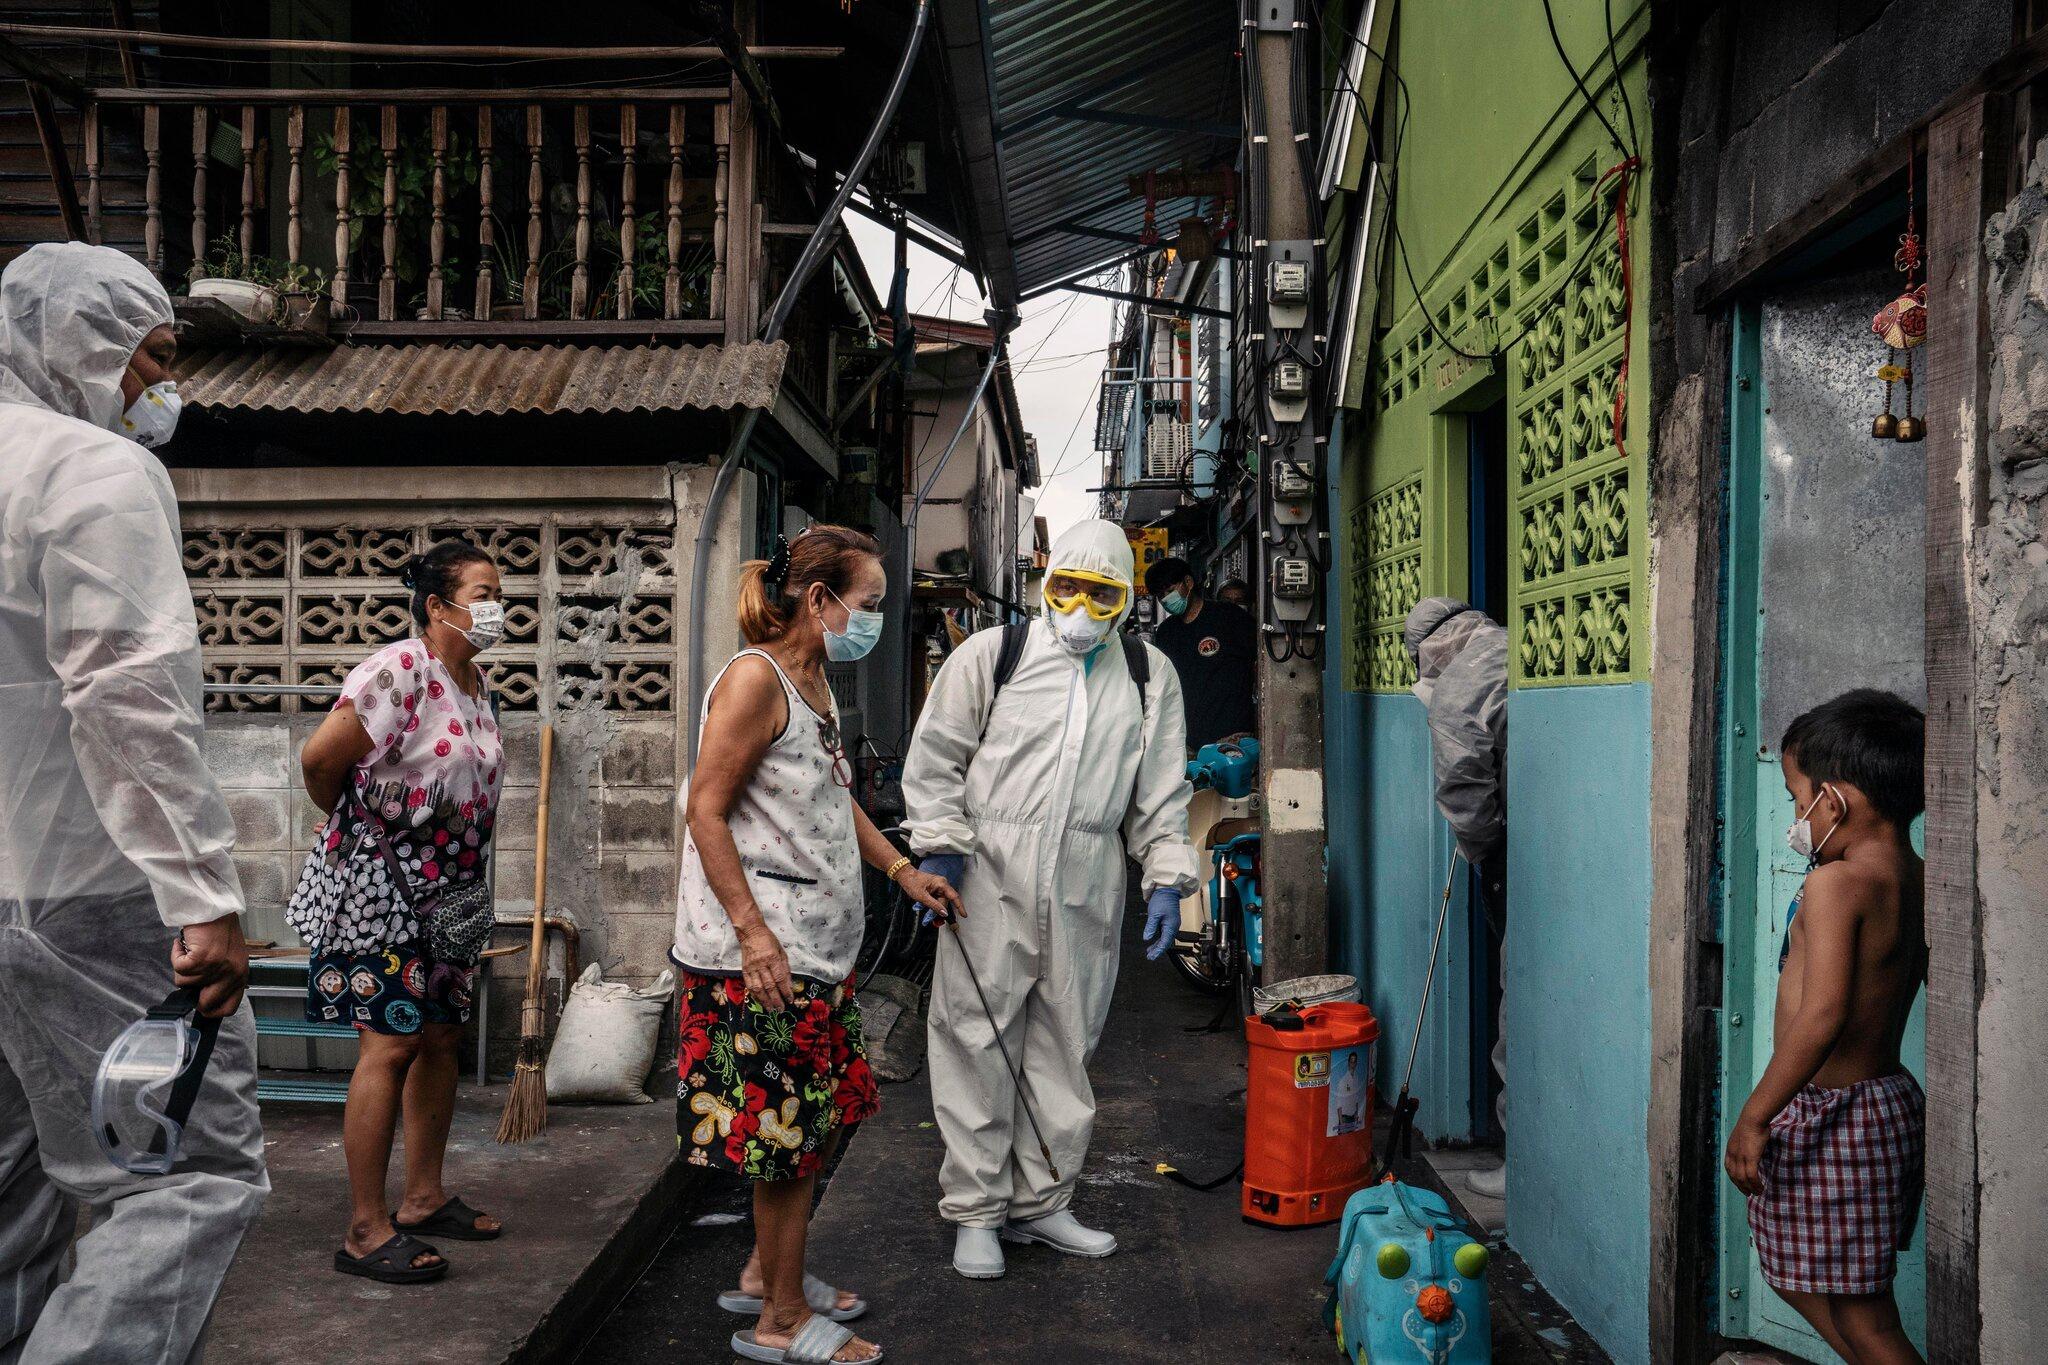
778, 568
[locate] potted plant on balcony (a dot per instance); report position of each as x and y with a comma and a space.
245, 285
261, 289
302, 299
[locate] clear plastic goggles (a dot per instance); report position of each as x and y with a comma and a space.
1071, 590
147, 1081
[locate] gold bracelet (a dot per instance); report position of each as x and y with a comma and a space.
896, 867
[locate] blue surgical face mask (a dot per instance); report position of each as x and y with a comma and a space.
1175, 602
863, 629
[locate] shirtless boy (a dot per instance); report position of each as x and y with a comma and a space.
1829, 1147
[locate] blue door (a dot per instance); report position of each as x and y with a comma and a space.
1824, 592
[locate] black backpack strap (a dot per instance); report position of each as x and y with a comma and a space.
1140, 664
1007, 657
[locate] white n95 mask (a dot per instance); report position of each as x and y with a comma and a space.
1080, 633
153, 417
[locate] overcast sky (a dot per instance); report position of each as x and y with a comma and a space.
1056, 353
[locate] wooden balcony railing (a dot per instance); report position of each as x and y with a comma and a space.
441, 211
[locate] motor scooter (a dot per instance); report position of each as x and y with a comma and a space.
1221, 945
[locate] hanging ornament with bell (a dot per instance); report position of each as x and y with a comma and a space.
1885, 426
1902, 326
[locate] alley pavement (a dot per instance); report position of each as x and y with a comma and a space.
1192, 1282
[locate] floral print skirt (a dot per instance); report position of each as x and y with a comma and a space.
761, 1090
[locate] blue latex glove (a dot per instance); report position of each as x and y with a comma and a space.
1162, 921
952, 867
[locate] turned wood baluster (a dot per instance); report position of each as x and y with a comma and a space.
92, 173
629, 144
437, 237
672, 290
200, 151
294, 184
387, 282
248, 181
153, 188
486, 230
579, 284
342, 216
721, 180
530, 290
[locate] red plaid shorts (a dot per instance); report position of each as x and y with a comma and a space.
1842, 1175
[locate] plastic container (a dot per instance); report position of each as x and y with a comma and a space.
1308, 1113
1409, 1279
1305, 991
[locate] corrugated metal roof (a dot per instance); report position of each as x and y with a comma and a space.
1015, 63
437, 378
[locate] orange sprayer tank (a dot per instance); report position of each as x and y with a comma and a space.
1308, 1114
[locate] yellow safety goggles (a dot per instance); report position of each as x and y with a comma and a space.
1075, 590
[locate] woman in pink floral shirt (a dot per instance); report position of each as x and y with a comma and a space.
410, 753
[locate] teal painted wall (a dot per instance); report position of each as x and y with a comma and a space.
1578, 1002
1396, 862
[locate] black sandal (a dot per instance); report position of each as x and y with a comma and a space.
454, 1220
392, 1263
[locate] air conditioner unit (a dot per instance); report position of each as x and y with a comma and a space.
1167, 446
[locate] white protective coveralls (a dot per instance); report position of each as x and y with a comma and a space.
1041, 805
1461, 665
1461, 668
113, 832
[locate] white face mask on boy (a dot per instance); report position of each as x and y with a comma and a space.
1800, 835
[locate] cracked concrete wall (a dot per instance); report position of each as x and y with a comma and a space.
2009, 624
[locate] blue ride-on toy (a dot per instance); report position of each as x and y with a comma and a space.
1409, 1281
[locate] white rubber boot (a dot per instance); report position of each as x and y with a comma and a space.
1063, 1233
1489, 1184
978, 1253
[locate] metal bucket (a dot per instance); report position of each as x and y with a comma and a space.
1335, 988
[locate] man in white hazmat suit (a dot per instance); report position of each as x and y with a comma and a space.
1024, 795
115, 875
1461, 668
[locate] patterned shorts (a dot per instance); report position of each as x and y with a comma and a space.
391, 992
1842, 1175
760, 1091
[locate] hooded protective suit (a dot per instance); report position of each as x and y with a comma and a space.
1034, 791
1461, 665
1461, 669
112, 833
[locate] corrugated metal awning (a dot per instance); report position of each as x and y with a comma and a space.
1060, 100
430, 379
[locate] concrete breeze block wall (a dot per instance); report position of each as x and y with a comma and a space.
616, 708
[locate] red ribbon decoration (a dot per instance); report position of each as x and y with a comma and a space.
1621, 173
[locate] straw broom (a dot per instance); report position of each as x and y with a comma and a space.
526, 1108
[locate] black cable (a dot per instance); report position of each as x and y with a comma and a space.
1550, 18
1628, 106
1394, 218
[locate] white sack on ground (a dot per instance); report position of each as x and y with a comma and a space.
604, 1046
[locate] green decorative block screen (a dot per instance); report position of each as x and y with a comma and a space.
1573, 551
1386, 583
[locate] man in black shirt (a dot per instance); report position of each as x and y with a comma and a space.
1214, 647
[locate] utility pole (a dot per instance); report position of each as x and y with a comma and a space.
1289, 443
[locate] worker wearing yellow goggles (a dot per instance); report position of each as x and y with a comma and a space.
1072, 590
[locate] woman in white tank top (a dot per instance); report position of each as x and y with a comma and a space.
769, 919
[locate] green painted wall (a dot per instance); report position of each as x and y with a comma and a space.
1511, 236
